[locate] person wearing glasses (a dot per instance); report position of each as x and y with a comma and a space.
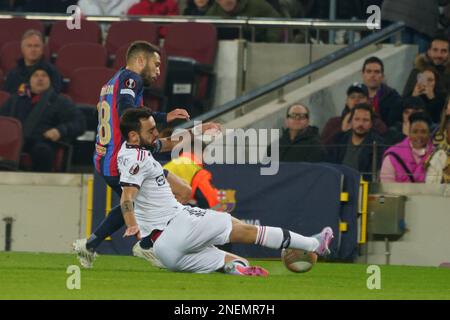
300, 141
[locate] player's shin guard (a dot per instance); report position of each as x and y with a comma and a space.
113, 222
277, 238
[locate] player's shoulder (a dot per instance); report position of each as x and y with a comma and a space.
129, 79
133, 152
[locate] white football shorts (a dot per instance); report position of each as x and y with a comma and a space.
188, 242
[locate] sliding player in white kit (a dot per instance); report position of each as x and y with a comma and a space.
184, 238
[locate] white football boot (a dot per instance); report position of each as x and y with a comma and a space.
84, 255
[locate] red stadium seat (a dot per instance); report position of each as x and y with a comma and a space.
9, 54
78, 55
124, 32
3, 97
13, 29
60, 35
86, 83
120, 57
10, 143
193, 40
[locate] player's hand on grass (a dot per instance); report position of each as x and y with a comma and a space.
132, 231
177, 114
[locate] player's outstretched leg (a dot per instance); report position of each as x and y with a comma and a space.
278, 238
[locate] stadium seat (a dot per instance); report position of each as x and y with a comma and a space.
86, 83
124, 32
78, 55
198, 42
10, 143
61, 162
13, 29
3, 97
61, 35
9, 54
120, 57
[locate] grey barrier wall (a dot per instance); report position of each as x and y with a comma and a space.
48, 210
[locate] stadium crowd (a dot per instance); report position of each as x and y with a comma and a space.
405, 136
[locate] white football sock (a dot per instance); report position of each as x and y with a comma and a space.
272, 237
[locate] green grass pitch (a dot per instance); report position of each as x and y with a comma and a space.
43, 276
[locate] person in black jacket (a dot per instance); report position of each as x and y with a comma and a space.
300, 142
354, 148
32, 47
386, 101
197, 7
46, 117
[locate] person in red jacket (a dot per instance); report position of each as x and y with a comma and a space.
155, 8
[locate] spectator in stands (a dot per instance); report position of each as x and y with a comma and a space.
386, 101
53, 6
154, 8
300, 141
438, 133
405, 161
197, 7
427, 88
12, 5
354, 148
106, 7
421, 19
356, 93
438, 167
400, 130
437, 56
32, 46
47, 118
247, 8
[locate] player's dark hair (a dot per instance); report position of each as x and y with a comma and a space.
420, 116
141, 47
373, 59
361, 106
131, 120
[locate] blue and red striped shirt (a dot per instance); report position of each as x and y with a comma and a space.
123, 91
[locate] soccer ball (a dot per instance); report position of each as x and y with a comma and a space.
298, 261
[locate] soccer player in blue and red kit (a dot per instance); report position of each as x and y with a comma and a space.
123, 91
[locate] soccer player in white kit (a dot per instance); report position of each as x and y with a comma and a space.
184, 238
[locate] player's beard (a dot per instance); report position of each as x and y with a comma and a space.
144, 143
146, 75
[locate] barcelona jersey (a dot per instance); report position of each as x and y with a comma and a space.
123, 91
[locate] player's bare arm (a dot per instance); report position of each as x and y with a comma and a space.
180, 188
127, 206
